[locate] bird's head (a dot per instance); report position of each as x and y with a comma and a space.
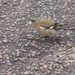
35, 21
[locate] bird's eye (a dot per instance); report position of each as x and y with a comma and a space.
32, 20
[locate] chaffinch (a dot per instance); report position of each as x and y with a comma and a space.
46, 27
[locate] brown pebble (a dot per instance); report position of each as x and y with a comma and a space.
5, 40
44, 66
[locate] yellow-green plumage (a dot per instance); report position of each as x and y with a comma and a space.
46, 23
45, 26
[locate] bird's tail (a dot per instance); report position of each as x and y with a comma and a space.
58, 26
72, 29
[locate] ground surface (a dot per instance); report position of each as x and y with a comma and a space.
21, 51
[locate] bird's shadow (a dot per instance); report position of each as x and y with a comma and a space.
55, 40
48, 39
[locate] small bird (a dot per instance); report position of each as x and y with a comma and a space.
46, 27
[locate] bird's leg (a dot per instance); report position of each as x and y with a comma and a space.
40, 36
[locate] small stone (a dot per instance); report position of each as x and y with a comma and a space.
15, 3
56, 65
3, 16
34, 44
22, 59
47, 3
27, 72
41, 63
41, 68
65, 66
23, 18
29, 36
45, 66
11, 35
3, 46
7, 28
49, 0
15, 22
36, 68
50, 66
59, 62
22, 1
17, 30
23, 50
27, 43
0, 42
56, 60
0, 56
29, 55
33, 54
43, 71
13, 53
5, 40
28, 67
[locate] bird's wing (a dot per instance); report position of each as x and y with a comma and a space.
55, 26
45, 26
46, 23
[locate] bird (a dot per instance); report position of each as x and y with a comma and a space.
46, 27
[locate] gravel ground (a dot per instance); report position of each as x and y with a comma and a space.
22, 52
